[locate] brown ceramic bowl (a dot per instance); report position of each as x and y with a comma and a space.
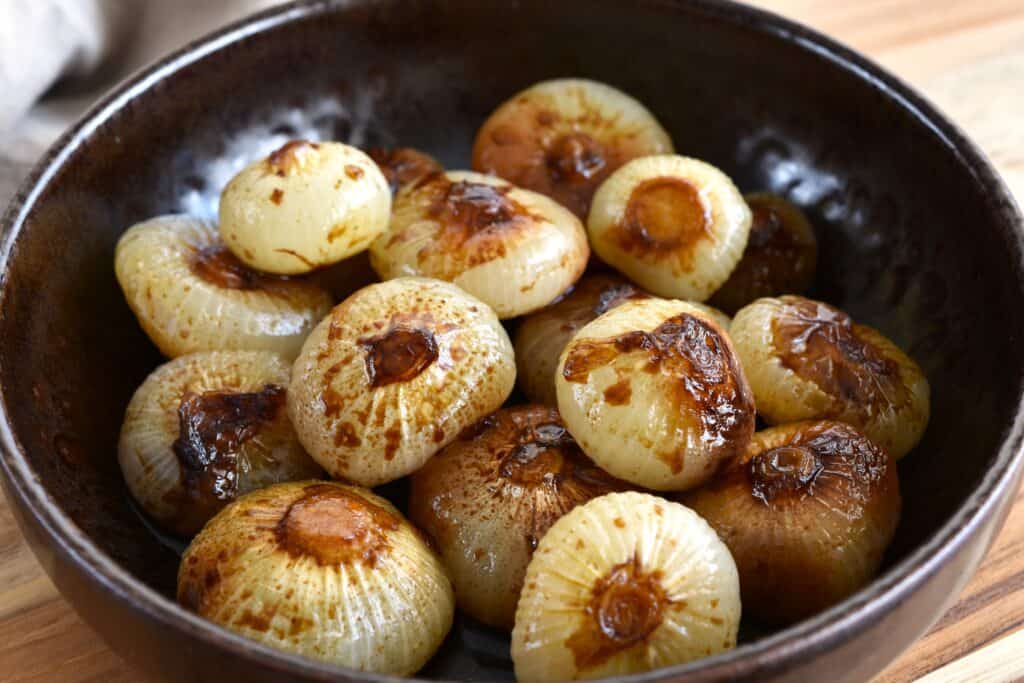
918, 237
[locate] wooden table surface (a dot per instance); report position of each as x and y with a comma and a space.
968, 57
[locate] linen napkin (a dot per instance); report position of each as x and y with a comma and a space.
58, 56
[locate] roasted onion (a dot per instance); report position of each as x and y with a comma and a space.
324, 570
808, 360
807, 512
394, 374
206, 428
676, 226
190, 293
563, 137
513, 249
490, 496
624, 584
307, 205
780, 258
654, 393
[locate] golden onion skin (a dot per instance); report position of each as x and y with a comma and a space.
191, 294
674, 225
625, 583
206, 428
808, 360
490, 496
807, 513
541, 336
654, 393
403, 165
323, 570
513, 249
563, 137
305, 206
780, 258
394, 374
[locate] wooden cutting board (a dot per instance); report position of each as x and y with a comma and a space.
968, 57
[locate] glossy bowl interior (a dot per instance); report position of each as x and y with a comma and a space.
917, 237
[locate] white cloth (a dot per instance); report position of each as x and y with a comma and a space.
68, 52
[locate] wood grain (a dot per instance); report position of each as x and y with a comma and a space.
968, 57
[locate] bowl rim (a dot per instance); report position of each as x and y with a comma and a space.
772, 653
